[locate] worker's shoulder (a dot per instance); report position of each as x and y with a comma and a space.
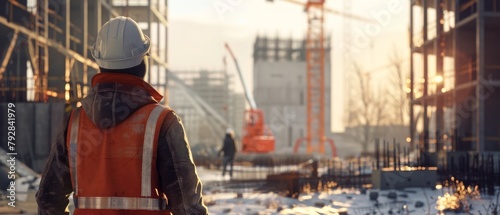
165, 108
171, 126
172, 117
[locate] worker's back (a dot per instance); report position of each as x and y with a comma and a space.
122, 162
121, 152
113, 162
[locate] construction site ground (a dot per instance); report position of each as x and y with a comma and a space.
28, 207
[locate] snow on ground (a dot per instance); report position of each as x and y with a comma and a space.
252, 202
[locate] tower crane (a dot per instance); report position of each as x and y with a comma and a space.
315, 57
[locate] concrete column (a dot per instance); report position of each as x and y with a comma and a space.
85, 44
426, 78
67, 61
148, 73
455, 66
159, 25
99, 15
480, 76
440, 54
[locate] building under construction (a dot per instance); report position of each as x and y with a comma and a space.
215, 88
454, 86
46, 66
280, 87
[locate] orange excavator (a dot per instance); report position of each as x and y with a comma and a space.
258, 138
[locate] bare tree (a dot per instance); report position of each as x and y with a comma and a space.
366, 108
398, 98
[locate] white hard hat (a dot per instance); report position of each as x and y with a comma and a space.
120, 44
229, 131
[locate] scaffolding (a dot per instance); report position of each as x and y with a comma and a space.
46, 66
454, 77
216, 89
40, 33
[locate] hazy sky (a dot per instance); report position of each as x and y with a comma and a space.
199, 28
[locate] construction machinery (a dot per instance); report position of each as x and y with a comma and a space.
258, 138
315, 56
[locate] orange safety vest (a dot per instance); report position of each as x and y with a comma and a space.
114, 171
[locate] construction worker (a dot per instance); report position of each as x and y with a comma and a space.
229, 150
121, 152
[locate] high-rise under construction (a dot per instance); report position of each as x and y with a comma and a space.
454, 86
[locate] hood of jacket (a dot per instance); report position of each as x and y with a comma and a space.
114, 97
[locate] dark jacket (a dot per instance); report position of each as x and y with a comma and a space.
229, 147
113, 98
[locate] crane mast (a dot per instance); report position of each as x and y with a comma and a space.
315, 55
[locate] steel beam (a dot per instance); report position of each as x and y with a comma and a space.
35, 67
110, 8
158, 61
159, 16
8, 54
51, 43
412, 78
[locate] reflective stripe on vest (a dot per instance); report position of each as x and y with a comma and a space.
121, 203
73, 147
147, 150
130, 203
